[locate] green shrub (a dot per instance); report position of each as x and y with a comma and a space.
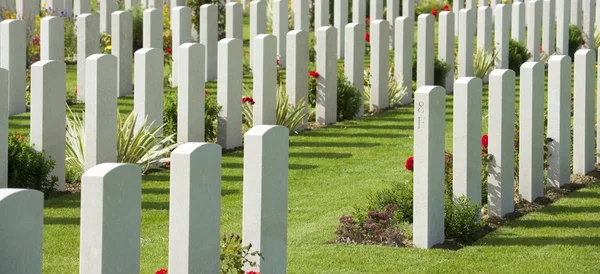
517, 55
211, 114
483, 62
195, 5
348, 99
138, 27
427, 6
28, 168
440, 69
400, 195
70, 40
461, 219
575, 40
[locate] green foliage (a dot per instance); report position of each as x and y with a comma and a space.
28, 168
312, 53
483, 62
575, 40
195, 5
400, 195
517, 55
288, 115
234, 255
211, 115
461, 219
440, 69
138, 27
348, 99
376, 227
427, 6
396, 90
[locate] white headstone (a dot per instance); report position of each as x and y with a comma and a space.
562, 26
376, 9
296, 72
465, 43
518, 22
81, 7
584, 110
229, 93
48, 92
484, 28
100, 110
190, 94
194, 208
208, 37
148, 98
88, 43
122, 47
12, 56
559, 120
153, 29
428, 175
111, 213
280, 28
265, 80
457, 5
22, 214
182, 33
359, 11
52, 33
466, 134
3, 128
265, 201
380, 65
501, 28
326, 48
446, 46
531, 131
501, 142
300, 14
408, 9
392, 12
354, 62
403, 55
589, 14
534, 10
340, 19
576, 13
258, 10
234, 20
107, 7
425, 50
321, 13
549, 30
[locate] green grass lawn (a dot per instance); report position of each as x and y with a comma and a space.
332, 169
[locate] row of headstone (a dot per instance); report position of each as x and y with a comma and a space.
429, 140
111, 207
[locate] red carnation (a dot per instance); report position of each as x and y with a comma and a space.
248, 100
278, 62
205, 92
162, 271
446, 8
410, 162
367, 21
367, 37
168, 50
252, 272
484, 140
434, 12
314, 74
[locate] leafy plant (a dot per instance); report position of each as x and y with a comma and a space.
137, 14
483, 62
517, 55
377, 227
288, 115
461, 219
234, 255
397, 90
440, 69
28, 168
575, 40
141, 147
211, 115
400, 195
348, 99
195, 5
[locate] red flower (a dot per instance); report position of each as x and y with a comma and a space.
247, 100
484, 140
367, 21
410, 162
162, 271
434, 12
582, 43
278, 62
314, 74
168, 51
168, 165
541, 49
18, 136
205, 92
446, 8
75, 90
252, 272
367, 37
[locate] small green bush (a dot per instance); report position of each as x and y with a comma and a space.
461, 219
427, 6
400, 195
28, 168
440, 69
138, 27
575, 40
348, 99
211, 114
517, 55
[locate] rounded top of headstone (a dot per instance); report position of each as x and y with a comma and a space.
530, 65
578, 52
263, 130
108, 169
299, 32
431, 90
150, 10
468, 81
502, 73
379, 22
196, 147
7, 194
559, 58
234, 4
